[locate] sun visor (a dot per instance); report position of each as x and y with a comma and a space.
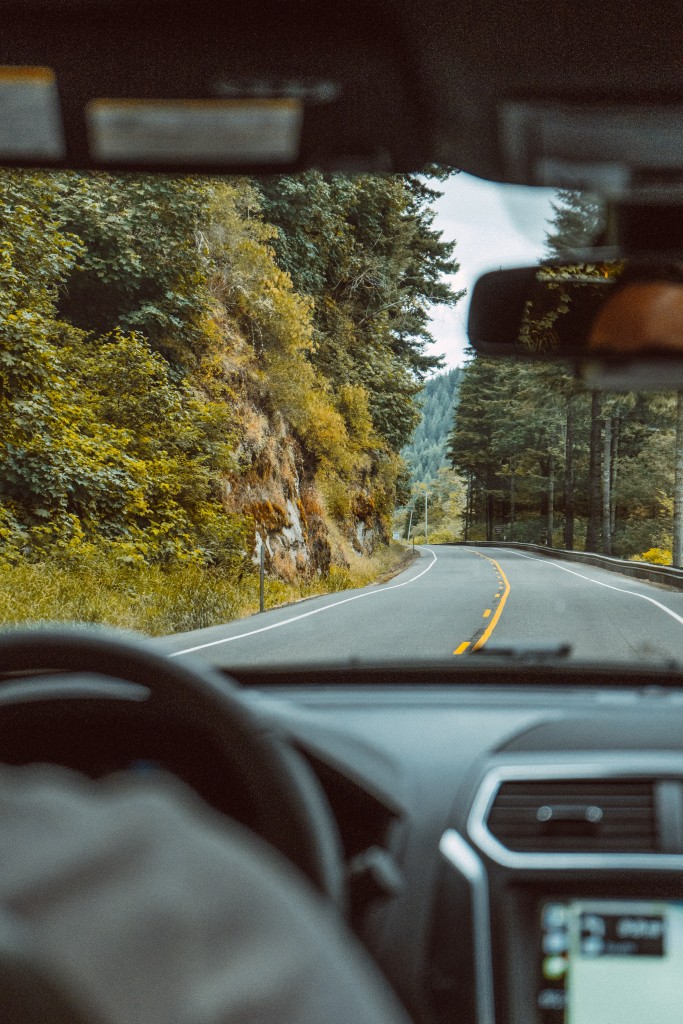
611, 149
30, 119
264, 131
259, 87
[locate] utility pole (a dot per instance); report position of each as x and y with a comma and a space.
410, 524
262, 573
426, 525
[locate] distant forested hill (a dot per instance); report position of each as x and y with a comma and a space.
426, 453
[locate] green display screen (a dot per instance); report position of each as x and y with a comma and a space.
611, 962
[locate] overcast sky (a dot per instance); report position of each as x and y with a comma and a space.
494, 226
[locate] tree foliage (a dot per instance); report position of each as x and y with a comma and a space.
550, 462
149, 325
426, 453
365, 252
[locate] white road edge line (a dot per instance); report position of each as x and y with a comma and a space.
599, 583
306, 615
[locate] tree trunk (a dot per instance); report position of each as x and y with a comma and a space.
678, 486
468, 506
550, 513
607, 487
542, 499
512, 501
568, 480
489, 515
593, 528
616, 430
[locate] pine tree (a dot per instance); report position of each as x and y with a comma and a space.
576, 222
426, 452
365, 251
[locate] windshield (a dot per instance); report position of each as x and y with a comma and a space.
221, 397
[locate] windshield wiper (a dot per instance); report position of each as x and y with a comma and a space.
526, 650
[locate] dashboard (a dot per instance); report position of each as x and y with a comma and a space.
511, 840
515, 854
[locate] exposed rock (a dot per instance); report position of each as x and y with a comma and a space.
274, 487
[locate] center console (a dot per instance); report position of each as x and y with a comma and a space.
562, 890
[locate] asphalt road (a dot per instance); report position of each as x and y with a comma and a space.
450, 601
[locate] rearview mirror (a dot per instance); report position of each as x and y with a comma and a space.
620, 322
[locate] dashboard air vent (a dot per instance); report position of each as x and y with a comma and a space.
576, 816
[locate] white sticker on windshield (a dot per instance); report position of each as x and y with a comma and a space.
30, 120
195, 131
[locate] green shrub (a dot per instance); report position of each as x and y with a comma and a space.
444, 535
641, 535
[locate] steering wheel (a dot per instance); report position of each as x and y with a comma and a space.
289, 810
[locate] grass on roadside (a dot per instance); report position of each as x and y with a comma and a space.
162, 601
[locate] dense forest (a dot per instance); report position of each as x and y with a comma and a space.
426, 453
548, 461
193, 368
434, 486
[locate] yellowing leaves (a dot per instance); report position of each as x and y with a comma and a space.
154, 330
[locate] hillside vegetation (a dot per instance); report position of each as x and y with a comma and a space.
427, 452
430, 471
191, 369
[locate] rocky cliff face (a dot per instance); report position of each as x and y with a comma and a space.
291, 517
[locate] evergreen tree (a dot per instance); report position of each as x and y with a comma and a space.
576, 222
365, 251
426, 453
521, 428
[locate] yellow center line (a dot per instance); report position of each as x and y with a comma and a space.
501, 604
494, 621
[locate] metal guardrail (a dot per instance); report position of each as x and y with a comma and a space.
664, 574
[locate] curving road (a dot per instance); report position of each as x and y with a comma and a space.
451, 601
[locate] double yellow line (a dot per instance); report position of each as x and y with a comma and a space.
496, 615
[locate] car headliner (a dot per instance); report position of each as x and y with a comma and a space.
387, 86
